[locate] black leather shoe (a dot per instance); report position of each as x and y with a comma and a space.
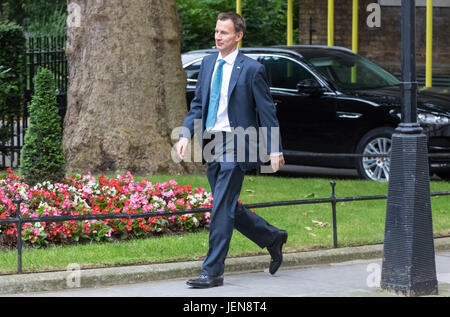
206, 281
276, 252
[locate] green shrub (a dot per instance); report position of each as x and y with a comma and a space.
12, 56
6, 87
42, 157
12, 69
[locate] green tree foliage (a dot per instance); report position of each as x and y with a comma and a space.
12, 56
41, 156
266, 21
36, 16
12, 69
6, 88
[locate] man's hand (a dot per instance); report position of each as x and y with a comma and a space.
277, 162
181, 147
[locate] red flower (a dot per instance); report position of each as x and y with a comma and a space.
61, 200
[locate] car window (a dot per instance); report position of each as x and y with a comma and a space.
193, 70
351, 71
283, 72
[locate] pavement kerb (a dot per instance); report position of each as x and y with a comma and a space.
90, 278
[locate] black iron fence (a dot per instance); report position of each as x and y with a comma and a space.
48, 52
10, 150
333, 200
42, 51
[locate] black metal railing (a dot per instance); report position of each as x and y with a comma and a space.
42, 51
48, 52
10, 149
333, 200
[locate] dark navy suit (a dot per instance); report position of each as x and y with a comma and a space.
250, 106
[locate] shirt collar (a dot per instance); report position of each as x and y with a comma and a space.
230, 58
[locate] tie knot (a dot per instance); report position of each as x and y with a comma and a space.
221, 62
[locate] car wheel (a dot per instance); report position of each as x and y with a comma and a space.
377, 142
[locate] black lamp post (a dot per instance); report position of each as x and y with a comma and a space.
409, 261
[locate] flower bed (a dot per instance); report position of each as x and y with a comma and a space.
84, 194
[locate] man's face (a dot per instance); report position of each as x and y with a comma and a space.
226, 38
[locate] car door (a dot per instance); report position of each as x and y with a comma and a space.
192, 70
307, 121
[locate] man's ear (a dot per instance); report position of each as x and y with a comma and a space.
240, 35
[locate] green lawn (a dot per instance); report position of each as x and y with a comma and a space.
309, 226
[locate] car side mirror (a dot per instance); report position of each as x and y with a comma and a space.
310, 87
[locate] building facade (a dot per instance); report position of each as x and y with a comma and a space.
381, 44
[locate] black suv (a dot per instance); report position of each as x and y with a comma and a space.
331, 100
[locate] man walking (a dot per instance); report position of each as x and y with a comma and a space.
232, 93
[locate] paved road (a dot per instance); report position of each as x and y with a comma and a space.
351, 278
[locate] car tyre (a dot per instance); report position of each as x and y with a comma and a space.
378, 142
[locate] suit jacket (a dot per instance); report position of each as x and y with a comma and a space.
250, 106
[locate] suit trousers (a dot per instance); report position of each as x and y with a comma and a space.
227, 214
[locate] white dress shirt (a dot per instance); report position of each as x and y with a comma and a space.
222, 121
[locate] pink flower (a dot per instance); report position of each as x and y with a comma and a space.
147, 208
168, 194
171, 205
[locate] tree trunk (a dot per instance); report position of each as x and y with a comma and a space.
127, 86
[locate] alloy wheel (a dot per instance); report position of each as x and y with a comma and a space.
377, 168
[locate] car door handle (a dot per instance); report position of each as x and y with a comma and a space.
277, 102
349, 115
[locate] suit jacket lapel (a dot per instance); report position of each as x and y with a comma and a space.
237, 68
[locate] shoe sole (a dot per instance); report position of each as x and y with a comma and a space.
205, 286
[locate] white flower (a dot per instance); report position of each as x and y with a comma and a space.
44, 204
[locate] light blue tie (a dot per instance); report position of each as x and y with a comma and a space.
214, 97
